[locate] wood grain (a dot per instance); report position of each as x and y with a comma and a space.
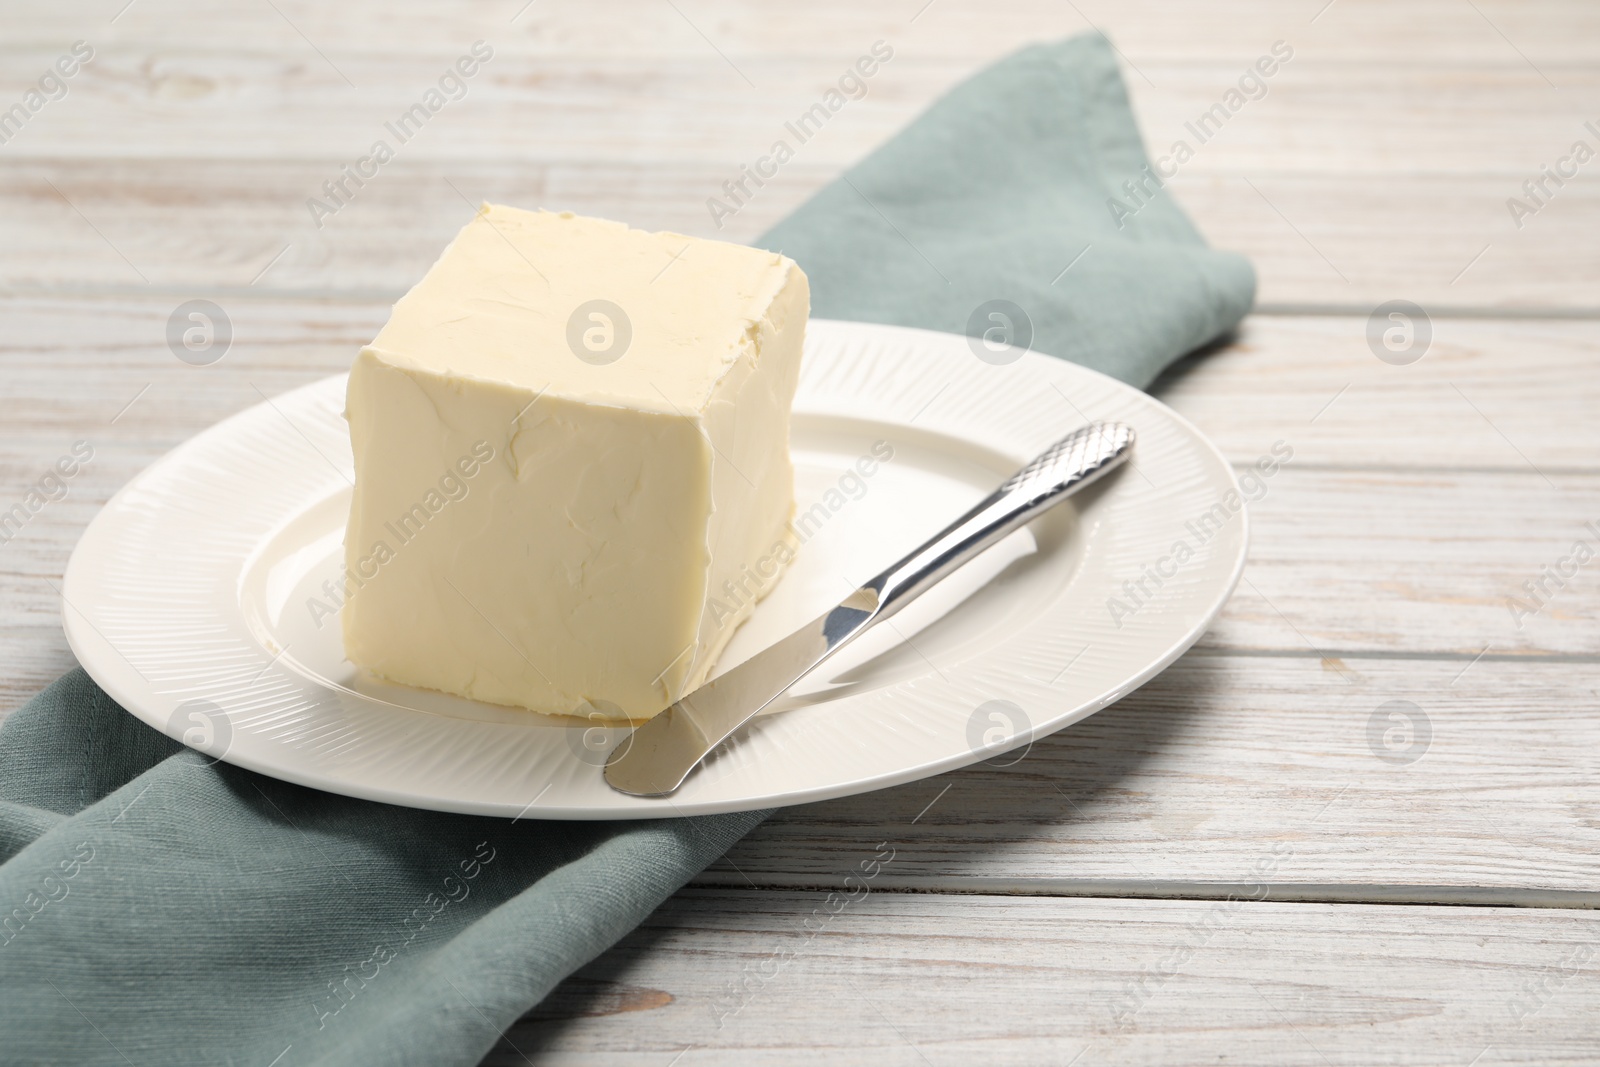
1355, 179
1347, 241
1550, 32
1315, 113
1482, 790
1507, 396
720, 977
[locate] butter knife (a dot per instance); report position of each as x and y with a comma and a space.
656, 758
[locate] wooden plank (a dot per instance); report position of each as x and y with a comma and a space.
891, 978
1355, 241
1314, 114
1350, 241
1508, 395
1483, 790
35, 654
1357, 561
1496, 396
1549, 32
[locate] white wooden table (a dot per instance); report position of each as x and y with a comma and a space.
1223, 868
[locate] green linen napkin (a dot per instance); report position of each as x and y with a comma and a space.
159, 908
1023, 194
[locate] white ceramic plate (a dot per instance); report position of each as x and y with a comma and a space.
188, 598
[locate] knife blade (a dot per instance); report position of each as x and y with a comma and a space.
658, 756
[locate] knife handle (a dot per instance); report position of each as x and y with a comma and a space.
1066, 466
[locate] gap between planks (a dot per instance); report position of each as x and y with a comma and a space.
1443, 656
389, 294
1437, 311
1125, 889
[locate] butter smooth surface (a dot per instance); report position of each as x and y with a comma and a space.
532, 529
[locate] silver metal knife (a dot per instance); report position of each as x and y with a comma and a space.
655, 758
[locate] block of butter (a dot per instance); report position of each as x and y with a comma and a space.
572, 474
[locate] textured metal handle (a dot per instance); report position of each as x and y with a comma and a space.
1068, 465
1072, 459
